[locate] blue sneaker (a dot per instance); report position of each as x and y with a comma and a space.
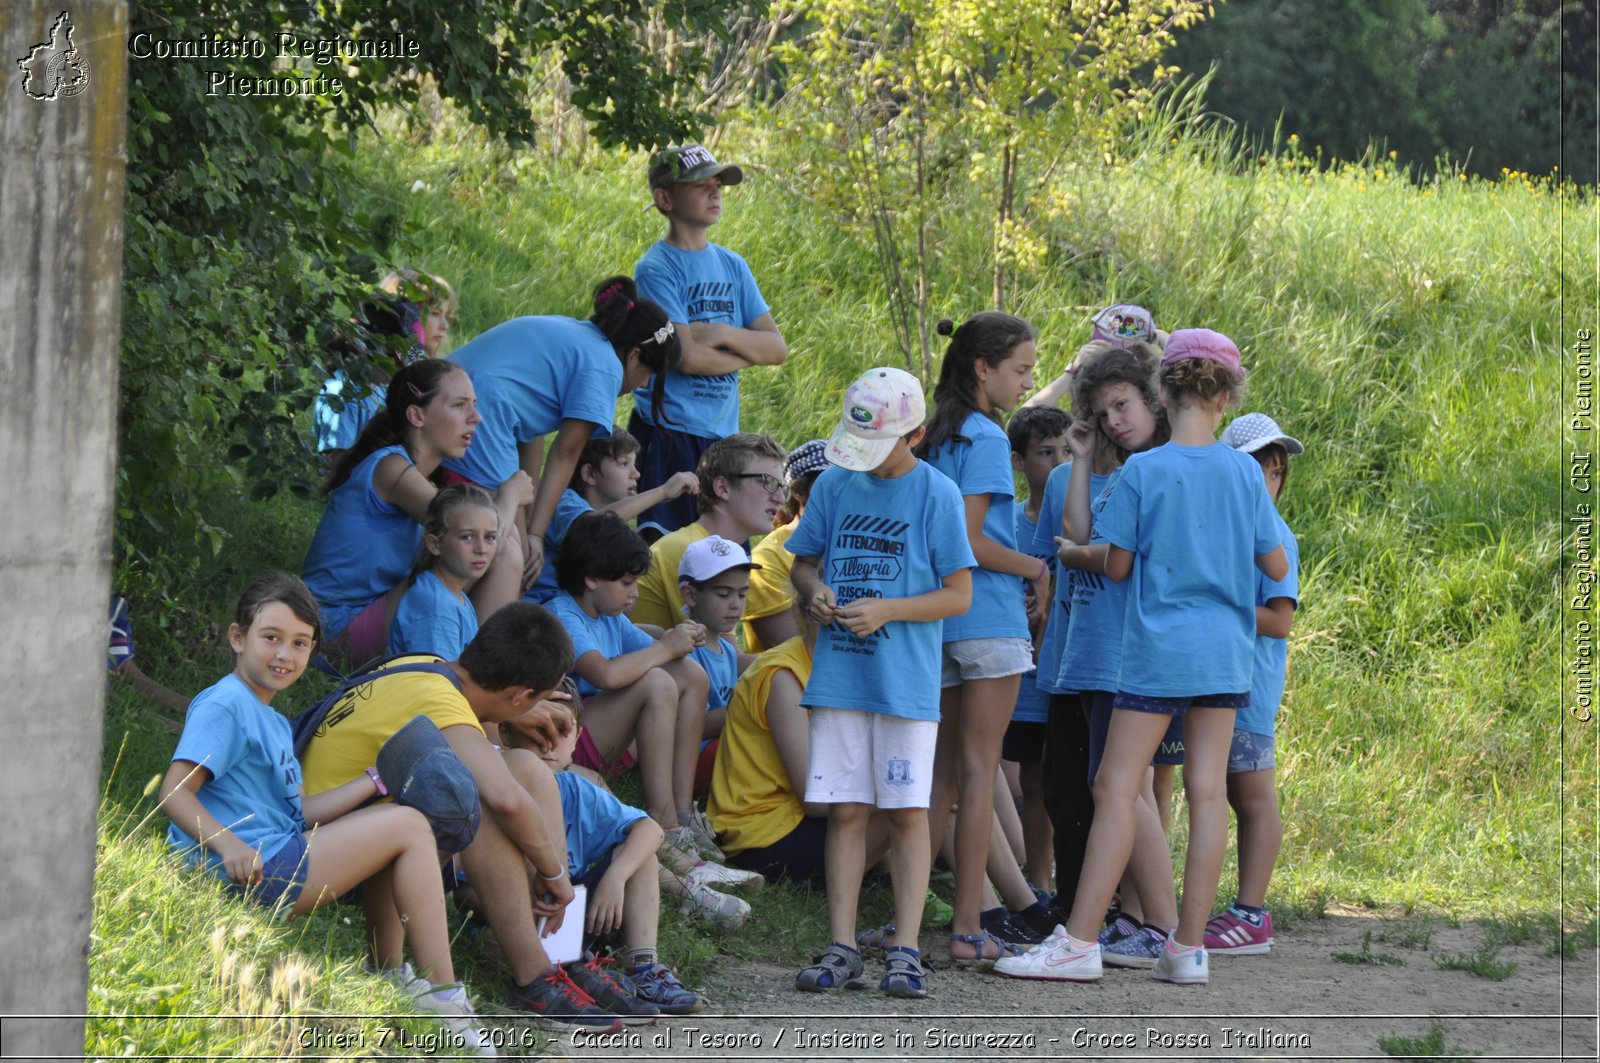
1142, 948
657, 984
1117, 929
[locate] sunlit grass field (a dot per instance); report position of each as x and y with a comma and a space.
1406, 331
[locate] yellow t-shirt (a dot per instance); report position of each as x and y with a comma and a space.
659, 602
752, 803
770, 590
360, 723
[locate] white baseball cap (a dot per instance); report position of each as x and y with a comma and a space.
710, 557
880, 407
1251, 431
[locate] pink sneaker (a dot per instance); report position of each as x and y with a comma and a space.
1228, 933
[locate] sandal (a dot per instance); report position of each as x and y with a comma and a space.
903, 973
875, 940
987, 947
837, 968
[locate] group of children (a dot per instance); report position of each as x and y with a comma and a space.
908, 627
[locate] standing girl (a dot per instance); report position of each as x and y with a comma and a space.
537, 375
988, 367
378, 498
1189, 522
237, 806
459, 540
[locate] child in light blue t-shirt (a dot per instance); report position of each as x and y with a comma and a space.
1244, 928
987, 368
881, 558
726, 326
1037, 435
460, 537
638, 690
714, 580
1188, 523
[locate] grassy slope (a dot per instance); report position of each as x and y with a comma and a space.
1405, 334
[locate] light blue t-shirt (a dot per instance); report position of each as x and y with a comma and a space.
254, 789
532, 373
1097, 606
569, 507
610, 636
1272, 655
336, 423
431, 619
1033, 704
1196, 518
712, 284
722, 669
363, 547
596, 823
881, 538
983, 467
1054, 643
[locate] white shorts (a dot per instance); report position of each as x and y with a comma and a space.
966, 659
870, 759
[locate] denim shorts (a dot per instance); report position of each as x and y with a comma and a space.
282, 876
1251, 752
967, 659
1178, 706
1098, 706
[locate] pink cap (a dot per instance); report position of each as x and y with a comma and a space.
1202, 343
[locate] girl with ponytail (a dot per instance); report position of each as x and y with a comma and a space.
378, 497
537, 375
988, 367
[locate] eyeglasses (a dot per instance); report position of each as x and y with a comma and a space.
769, 483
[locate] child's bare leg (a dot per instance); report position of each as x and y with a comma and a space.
1005, 873
1007, 817
690, 724
986, 706
1150, 866
354, 847
847, 861
1130, 743
909, 861
641, 905
386, 935
942, 794
1038, 836
1254, 796
647, 708
1161, 794
1207, 736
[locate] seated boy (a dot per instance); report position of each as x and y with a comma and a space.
611, 849
606, 480
714, 581
636, 689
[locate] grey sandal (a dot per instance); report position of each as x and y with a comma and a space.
903, 973
837, 968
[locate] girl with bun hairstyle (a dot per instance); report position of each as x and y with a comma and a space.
987, 368
537, 375
378, 497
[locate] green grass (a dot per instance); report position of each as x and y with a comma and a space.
1366, 956
1484, 963
1431, 1045
1406, 333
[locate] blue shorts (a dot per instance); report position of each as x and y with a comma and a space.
800, 855
1251, 752
1178, 706
283, 876
663, 452
1169, 752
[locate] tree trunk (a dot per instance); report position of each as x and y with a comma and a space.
61, 207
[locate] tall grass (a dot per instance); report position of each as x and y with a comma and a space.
1404, 329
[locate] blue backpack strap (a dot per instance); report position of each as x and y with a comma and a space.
305, 725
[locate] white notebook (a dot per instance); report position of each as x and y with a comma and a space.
566, 944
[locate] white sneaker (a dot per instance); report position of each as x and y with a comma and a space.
704, 836
1189, 967
403, 978
455, 1012
1056, 959
720, 909
717, 876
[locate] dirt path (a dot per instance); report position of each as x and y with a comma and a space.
1296, 1003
